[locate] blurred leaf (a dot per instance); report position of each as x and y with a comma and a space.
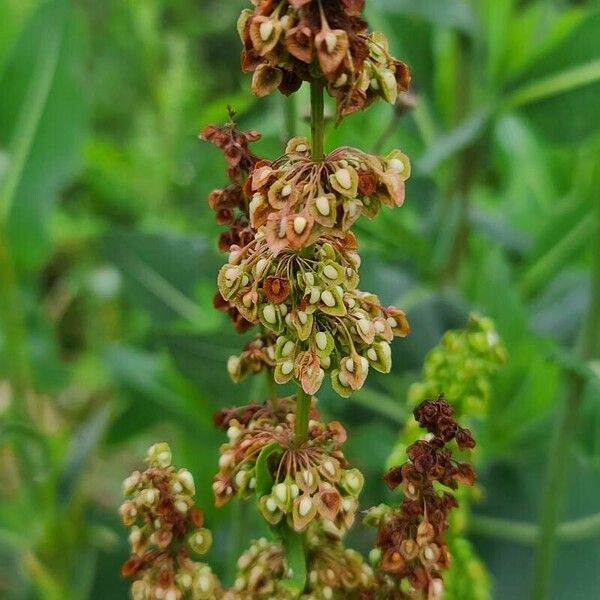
83, 444
524, 395
560, 307
202, 359
34, 448
13, 15
559, 92
535, 29
161, 272
148, 378
588, 437
448, 13
457, 139
381, 403
531, 183
43, 114
563, 249
83, 577
499, 231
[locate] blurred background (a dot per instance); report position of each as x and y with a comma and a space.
108, 257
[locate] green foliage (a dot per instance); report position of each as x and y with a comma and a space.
107, 267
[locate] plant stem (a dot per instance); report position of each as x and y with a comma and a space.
556, 478
290, 117
528, 533
317, 118
458, 198
302, 413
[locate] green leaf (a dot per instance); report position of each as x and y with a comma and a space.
13, 15
564, 248
34, 448
448, 13
559, 93
463, 135
296, 560
43, 118
381, 403
83, 445
264, 481
158, 394
202, 359
161, 272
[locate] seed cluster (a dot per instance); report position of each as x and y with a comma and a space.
165, 527
310, 301
334, 572
290, 41
297, 199
411, 540
309, 481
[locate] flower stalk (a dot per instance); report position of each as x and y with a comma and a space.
302, 414
317, 118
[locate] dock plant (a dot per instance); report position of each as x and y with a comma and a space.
291, 277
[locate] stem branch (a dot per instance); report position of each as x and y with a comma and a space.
528, 533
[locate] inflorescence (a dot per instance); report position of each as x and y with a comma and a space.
166, 530
292, 275
411, 549
290, 41
309, 481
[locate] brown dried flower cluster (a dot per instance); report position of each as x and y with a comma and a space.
166, 526
334, 572
411, 538
231, 204
290, 41
309, 481
298, 199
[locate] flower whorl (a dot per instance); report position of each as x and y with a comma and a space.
310, 301
334, 572
166, 527
308, 482
292, 41
297, 199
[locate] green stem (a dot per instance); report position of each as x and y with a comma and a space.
556, 478
290, 117
302, 414
317, 118
458, 198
